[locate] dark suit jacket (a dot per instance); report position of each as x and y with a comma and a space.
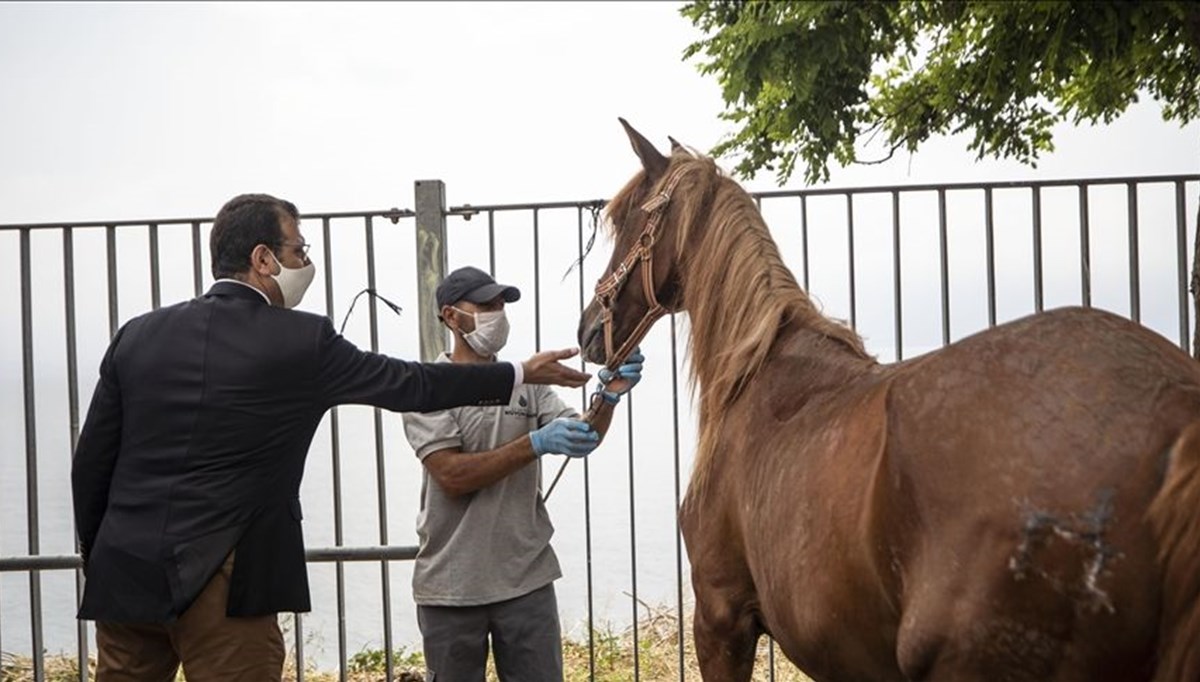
195, 442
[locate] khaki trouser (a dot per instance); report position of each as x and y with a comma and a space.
210, 645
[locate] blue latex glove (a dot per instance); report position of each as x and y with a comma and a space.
562, 436
617, 384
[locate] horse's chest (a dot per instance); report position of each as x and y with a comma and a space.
793, 553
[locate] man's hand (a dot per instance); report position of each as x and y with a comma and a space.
626, 377
545, 368
562, 436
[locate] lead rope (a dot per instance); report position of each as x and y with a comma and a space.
594, 210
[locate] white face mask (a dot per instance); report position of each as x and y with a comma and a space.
293, 282
491, 332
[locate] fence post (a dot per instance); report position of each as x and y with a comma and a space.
1195, 288
431, 263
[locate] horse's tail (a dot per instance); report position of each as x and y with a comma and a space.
1175, 517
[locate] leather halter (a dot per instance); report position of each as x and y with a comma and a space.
610, 287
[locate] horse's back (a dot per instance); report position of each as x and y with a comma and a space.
1028, 455
1069, 396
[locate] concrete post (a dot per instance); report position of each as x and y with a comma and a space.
431, 263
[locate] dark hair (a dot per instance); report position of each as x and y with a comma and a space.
244, 222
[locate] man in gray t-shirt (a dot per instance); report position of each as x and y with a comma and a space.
485, 567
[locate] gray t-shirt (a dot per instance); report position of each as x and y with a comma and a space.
493, 544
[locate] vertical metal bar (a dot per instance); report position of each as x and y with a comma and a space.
1, 608
1181, 266
380, 477
537, 287
1085, 247
896, 291
944, 252
850, 239
587, 540
989, 208
678, 497
155, 278
587, 499
1038, 294
430, 196
298, 631
31, 476
633, 542
335, 449
583, 394
197, 277
771, 658
492, 241
804, 238
1135, 292
73, 423
111, 244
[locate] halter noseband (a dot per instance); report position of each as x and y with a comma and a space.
610, 287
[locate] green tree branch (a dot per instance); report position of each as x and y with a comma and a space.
805, 81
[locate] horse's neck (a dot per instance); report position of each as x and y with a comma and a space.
780, 332
814, 362
754, 330
741, 298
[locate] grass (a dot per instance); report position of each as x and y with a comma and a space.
657, 659
657, 653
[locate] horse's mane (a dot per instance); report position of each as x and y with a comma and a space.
726, 247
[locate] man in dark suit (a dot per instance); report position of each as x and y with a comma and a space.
187, 471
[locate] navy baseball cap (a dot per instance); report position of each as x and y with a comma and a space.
474, 285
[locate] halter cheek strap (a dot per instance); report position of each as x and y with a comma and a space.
610, 287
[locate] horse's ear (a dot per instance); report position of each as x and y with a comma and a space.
652, 160
675, 146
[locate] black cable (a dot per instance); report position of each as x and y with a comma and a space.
395, 308
595, 211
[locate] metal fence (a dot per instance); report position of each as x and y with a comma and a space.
985, 252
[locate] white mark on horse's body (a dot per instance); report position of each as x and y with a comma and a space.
1086, 531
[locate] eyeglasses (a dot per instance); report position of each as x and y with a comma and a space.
302, 247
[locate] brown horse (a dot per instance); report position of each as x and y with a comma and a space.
1023, 504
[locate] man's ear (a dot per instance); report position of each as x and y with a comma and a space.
444, 315
262, 260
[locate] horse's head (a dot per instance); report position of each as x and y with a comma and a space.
641, 282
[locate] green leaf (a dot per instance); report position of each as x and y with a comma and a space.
807, 82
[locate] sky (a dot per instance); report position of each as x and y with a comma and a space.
153, 109
126, 111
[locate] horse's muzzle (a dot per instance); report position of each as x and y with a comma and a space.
591, 339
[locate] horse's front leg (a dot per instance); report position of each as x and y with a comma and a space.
726, 628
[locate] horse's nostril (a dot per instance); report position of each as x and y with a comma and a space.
585, 332
588, 340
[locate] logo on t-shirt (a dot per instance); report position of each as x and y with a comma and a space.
522, 411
